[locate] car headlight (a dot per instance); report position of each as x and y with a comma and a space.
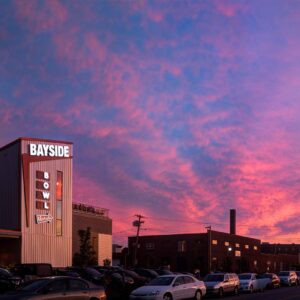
216, 286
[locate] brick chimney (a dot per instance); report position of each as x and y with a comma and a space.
232, 221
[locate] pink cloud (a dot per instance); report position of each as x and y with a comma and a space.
42, 17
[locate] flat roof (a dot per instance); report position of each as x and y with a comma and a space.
34, 139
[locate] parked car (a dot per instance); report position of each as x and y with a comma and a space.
89, 274
60, 287
273, 280
32, 271
149, 274
171, 287
163, 272
137, 279
222, 283
298, 277
8, 281
250, 282
288, 278
65, 272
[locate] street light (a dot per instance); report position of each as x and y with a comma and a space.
209, 247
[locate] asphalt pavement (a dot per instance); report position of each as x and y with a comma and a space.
283, 293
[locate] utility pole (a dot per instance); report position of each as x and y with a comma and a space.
137, 223
209, 247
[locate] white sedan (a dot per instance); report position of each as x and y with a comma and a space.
170, 287
249, 282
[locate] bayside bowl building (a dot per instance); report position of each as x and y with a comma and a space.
36, 205
36, 201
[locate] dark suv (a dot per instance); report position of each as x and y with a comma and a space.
32, 271
221, 283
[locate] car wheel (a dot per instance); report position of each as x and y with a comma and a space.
221, 293
236, 290
168, 297
251, 289
198, 295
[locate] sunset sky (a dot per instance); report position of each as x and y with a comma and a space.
178, 110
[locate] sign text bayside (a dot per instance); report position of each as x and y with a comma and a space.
49, 150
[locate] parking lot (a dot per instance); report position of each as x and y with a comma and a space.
283, 293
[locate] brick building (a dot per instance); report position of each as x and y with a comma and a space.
212, 250
185, 252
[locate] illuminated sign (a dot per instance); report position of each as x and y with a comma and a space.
43, 218
49, 150
43, 196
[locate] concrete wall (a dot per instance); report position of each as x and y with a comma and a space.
98, 224
104, 248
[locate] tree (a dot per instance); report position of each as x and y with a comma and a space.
86, 255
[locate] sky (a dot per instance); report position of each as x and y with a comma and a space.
178, 110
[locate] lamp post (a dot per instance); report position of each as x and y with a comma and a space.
209, 247
228, 267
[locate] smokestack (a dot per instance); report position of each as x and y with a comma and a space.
232, 221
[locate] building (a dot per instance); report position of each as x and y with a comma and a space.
97, 219
212, 250
36, 202
282, 249
38, 221
209, 251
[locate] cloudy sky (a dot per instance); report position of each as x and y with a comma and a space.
178, 110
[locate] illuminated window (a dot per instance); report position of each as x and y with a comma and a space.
255, 262
246, 246
237, 253
59, 198
237, 245
182, 246
255, 247
214, 242
226, 243
214, 258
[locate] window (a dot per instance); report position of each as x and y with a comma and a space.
238, 253
246, 246
255, 263
237, 245
179, 281
182, 246
57, 286
149, 246
76, 284
59, 198
226, 243
214, 242
188, 279
255, 247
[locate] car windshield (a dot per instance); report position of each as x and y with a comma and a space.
284, 273
214, 277
244, 276
165, 280
34, 285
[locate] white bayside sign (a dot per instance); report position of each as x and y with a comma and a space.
43, 219
49, 150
